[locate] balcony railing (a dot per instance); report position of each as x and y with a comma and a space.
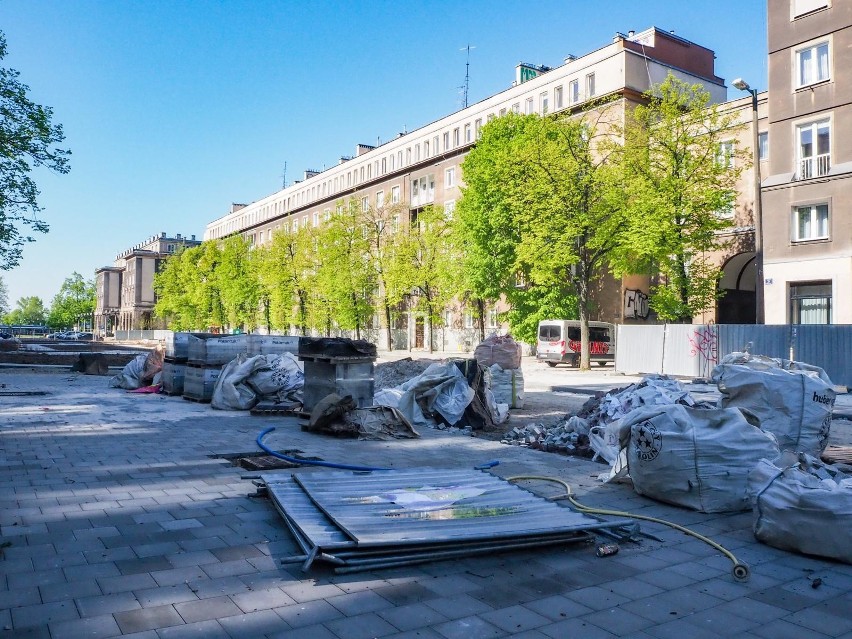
815, 166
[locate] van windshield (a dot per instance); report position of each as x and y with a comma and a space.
549, 332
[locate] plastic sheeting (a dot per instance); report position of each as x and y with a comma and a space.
442, 389
501, 350
794, 403
507, 385
803, 505
694, 457
245, 380
140, 371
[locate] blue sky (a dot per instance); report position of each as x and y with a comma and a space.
175, 109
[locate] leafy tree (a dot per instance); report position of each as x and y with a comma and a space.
540, 216
286, 272
345, 274
237, 284
4, 298
424, 264
29, 311
27, 139
177, 286
678, 184
74, 304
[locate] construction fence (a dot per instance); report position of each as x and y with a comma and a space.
693, 350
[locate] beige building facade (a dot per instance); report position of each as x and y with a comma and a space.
807, 187
423, 166
124, 291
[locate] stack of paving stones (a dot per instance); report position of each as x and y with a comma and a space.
174, 362
206, 354
558, 438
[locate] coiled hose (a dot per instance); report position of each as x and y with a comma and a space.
307, 462
740, 571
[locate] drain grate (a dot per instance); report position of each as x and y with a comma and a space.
264, 461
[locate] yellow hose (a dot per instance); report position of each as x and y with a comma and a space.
740, 570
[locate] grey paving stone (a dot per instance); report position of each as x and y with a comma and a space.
356, 603
468, 627
156, 549
124, 583
721, 621
446, 585
782, 629
362, 626
142, 565
164, 595
754, 610
680, 628
35, 578
107, 604
596, 598
262, 599
41, 614
822, 621
184, 559
666, 578
178, 575
618, 621
309, 591
515, 619
306, 632
228, 568
309, 613
575, 628
236, 552
204, 609
32, 632
90, 627
19, 597
200, 629
428, 633
781, 597
91, 571
148, 619
412, 616
207, 588
253, 624
74, 590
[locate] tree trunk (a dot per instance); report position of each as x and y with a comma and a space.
389, 339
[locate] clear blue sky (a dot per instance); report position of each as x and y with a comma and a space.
175, 109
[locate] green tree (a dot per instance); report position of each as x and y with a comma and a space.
4, 298
237, 283
681, 174
425, 265
286, 272
541, 216
28, 311
177, 286
27, 141
74, 305
345, 274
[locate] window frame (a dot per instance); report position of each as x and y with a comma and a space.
590, 85
794, 300
814, 222
821, 167
813, 47
450, 177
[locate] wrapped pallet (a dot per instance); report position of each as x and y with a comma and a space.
507, 386
694, 457
501, 350
803, 505
794, 405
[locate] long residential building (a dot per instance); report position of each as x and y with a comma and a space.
422, 167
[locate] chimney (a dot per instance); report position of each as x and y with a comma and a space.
163, 234
193, 238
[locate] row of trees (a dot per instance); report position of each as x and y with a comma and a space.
550, 206
72, 306
359, 264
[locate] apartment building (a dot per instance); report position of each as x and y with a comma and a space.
422, 167
807, 190
124, 291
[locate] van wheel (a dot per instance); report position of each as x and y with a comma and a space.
551, 364
601, 363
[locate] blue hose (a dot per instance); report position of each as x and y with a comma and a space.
307, 462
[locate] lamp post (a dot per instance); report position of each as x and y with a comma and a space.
742, 85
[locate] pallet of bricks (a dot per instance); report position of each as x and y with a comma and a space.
174, 363
206, 354
337, 365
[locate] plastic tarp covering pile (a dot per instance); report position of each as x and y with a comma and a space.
143, 370
358, 521
803, 505
501, 350
245, 381
341, 417
694, 457
507, 385
793, 402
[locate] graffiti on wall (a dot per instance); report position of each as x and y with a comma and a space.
704, 344
636, 305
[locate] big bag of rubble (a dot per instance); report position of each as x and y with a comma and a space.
803, 505
498, 349
698, 458
793, 403
507, 386
246, 380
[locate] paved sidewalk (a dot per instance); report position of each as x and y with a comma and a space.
117, 521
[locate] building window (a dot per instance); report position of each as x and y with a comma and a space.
814, 149
491, 116
810, 222
456, 139
763, 145
395, 224
365, 204
812, 64
380, 199
426, 149
446, 141
384, 168
590, 85
529, 106
502, 112
557, 98
543, 103
477, 128
395, 195
450, 178
810, 302
416, 152
468, 319
725, 154
435, 145
316, 221
467, 134
492, 318
801, 7
449, 208
516, 107
574, 91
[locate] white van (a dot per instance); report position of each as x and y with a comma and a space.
559, 342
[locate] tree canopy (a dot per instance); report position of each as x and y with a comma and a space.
681, 167
74, 304
28, 311
27, 141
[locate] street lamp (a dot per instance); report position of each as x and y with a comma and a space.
742, 85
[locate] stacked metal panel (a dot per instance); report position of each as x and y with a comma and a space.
363, 521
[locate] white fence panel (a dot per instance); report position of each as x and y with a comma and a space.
691, 350
639, 349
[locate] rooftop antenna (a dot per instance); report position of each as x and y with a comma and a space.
466, 72
284, 177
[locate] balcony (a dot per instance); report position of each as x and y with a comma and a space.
815, 166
